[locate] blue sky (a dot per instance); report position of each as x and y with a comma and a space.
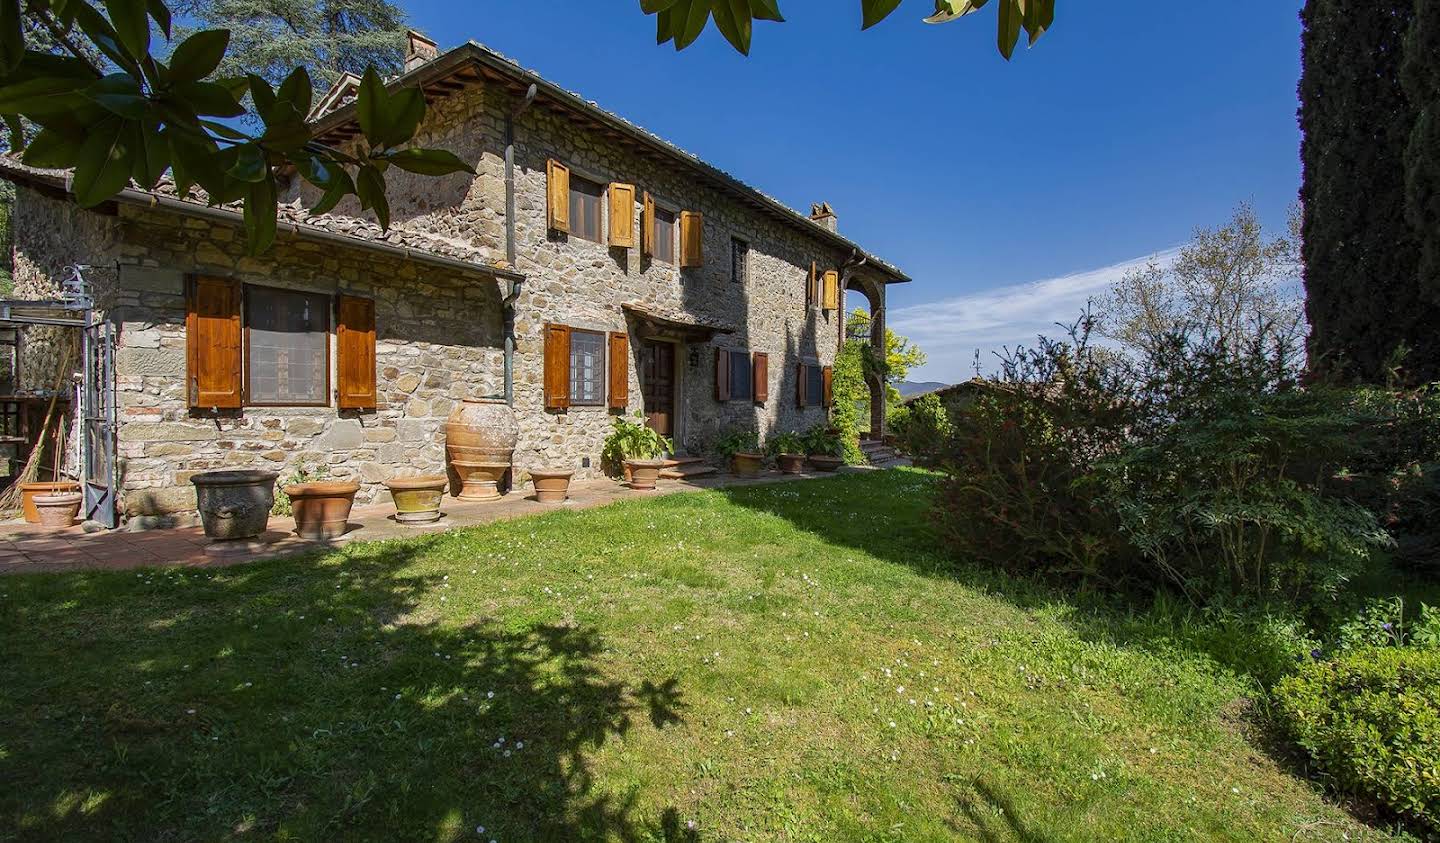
1010, 191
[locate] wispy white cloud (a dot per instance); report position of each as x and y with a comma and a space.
950, 331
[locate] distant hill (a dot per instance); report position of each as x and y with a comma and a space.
909, 388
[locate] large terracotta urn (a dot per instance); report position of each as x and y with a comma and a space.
480, 438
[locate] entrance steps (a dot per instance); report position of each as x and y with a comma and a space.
686, 468
878, 454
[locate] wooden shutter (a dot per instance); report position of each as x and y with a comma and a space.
647, 226
355, 352
812, 285
825, 376
619, 371
760, 376
722, 374
622, 214
692, 227
832, 290
557, 367
800, 386
213, 358
557, 193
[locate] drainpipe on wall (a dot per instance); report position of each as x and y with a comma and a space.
507, 305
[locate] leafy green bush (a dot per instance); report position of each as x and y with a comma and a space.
632, 441
739, 440
1396, 472
1384, 622
822, 440
924, 428
1370, 720
788, 442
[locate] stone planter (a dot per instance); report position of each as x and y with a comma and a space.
322, 509
28, 491
790, 463
644, 474
234, 504
480, 437
551, 486
746, 465
58, 511
824, 462
417, 499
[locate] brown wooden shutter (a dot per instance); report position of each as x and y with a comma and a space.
812, 285
760, 376
800, 386
832, 290
647, 226
557, 367
692, 228
213, 357
722, 374
619, 371
355, 353
557, 193
622, 215
825, 378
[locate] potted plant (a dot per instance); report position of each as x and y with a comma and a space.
321, 507
639, 449
417, 499
740, 449
58, 510
822, 444
788, 448
29, 490
236, 504
551, 486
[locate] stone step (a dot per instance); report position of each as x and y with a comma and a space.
674, 462
688, 470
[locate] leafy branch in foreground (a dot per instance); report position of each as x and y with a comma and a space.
682, 21
133, 116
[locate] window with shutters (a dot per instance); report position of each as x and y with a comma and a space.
587, 199
287, 347
742, 387
664, 235
739, 260
812, 386
587, 368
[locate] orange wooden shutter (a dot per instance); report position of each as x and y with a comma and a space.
355, 352
692, 227
825, 377
722, 375
557, 192
647, 226
557, 367
213, 358
622, 214
832, 290
619, 371
760, 377
800, 386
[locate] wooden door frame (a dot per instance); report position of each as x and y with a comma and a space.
677, 387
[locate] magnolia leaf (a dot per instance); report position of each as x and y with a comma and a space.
370, 187
103, 166
120, 94
429, 162
732, 18
260, 209
874, 11
262, 96
52, 149
949, 10
766, 10
370, 103
1009, 33
341, 185
250, 165
161, 14
37, 97
650, 7
12, 37
297, 90
692, 23
401, 115
209, 98
199, 55
132, 26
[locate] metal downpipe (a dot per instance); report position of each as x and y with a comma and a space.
507, 305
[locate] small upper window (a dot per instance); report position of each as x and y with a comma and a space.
739, 260
587, 368
287, 346
664, 235
586, 200
741, 388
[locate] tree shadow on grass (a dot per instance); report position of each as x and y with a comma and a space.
992, 816
304, 699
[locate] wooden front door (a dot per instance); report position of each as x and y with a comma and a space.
657, 385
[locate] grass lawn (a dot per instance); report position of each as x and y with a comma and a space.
790, 662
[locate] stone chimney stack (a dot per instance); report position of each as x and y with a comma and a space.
418, 50
825, 215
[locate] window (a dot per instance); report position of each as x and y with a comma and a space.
587, 368
664, 235
739, 260
813, 386
741, 387
586, 199
287, 347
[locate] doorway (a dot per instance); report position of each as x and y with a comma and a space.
657, 385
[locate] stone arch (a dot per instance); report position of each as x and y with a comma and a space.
874, 293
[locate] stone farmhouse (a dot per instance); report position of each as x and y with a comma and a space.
590, 269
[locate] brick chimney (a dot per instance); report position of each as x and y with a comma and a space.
825, 215
418, 50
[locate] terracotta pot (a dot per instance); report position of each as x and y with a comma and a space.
58, 511
644, 474
480, 437
790, 463
28, 491
824, 462
417, 499
322, 509
234, 504
746, 465
551, 486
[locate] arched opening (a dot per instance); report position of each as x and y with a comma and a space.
865, 326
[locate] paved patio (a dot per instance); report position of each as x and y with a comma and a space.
26, 548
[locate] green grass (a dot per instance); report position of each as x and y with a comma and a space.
791, 662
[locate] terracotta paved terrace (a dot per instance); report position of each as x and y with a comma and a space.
28, 548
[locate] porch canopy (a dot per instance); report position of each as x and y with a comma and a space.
651, 325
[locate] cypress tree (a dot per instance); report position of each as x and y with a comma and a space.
1363, 299
1421, 79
